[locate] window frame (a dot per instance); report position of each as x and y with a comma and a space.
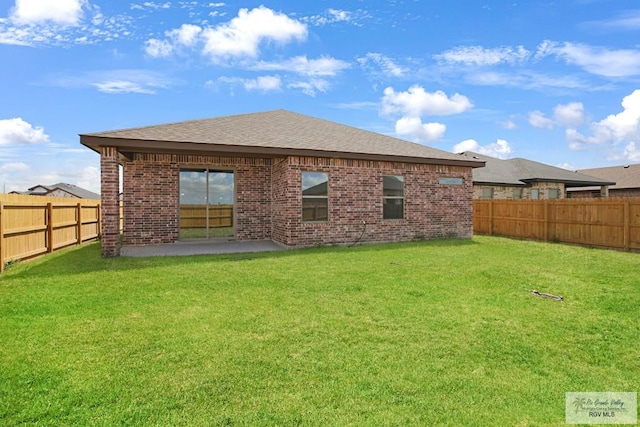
517, 193
490, 192
314, 197
556, 193
386, 198
536, 192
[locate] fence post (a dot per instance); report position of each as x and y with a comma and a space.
545, 227
627, 229
491, 217
79, 217
49, 227
1, 237
99, 221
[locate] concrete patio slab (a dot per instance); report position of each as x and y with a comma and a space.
200, 248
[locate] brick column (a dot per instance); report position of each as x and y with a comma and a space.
110, 182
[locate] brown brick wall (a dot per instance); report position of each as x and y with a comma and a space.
506, 192
279, 203
355, 195
623, 192
269, 200
110, 183
151, 201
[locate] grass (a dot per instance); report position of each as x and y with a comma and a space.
424, 333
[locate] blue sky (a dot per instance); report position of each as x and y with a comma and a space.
556, 82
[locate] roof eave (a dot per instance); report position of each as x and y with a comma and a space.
169, 147
506, 184
569, 182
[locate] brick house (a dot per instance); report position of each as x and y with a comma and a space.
294, 179
525, 179
60, 189
626, 177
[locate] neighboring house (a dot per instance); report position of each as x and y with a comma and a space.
525, 179
60, 189
293, 179
627, 179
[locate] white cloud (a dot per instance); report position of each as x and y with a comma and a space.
595, 60
158, 48
185, 36
332, 16
614, 130
311, 87
569, 115
117, 81
122, 86
537, 119
14, 167
626, 124
414, 128
150, 5
261, 83
243, 35
632, 152
324, 66
480, 56
339, 15
18, 132
508, 124
264, 83
627, 20
416, 102
499, 149
61, 23
567, 166
64, 12
384, 63
525, 79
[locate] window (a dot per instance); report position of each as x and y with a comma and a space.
487, 193
554, 193
393, 197
315, 196
517, 193
450, 181
535, 194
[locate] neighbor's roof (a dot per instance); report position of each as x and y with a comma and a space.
69, 188
270, 133
626, 177
521, 172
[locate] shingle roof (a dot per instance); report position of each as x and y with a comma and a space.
520, 171
277, 132
69, 188
625, 177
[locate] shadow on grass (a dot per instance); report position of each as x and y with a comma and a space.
88, 259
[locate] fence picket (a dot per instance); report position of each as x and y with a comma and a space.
607, 222
35, 225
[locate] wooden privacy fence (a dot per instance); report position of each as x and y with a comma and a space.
607, 222
36, 225
195, 216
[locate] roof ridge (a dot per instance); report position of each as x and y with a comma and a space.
180, 122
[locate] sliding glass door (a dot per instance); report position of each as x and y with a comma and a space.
206, 204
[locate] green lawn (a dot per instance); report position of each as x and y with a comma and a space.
425, 333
